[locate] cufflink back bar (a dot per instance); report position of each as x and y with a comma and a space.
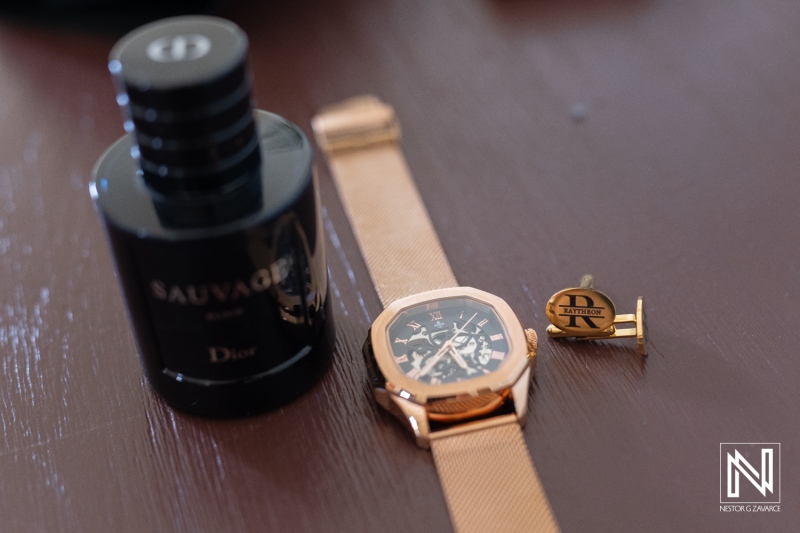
585, 313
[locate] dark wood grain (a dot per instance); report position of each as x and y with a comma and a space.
653, 144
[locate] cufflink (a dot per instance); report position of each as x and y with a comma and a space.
588, 314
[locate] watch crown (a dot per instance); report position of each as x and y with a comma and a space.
533, 343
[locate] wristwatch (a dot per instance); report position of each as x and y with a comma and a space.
452, 363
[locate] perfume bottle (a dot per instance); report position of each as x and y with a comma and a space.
211, 211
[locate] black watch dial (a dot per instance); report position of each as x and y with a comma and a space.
448, 340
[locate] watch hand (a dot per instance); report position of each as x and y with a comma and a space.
456, 355
459, 360
439, 355
461, 329
446, 345
433, 360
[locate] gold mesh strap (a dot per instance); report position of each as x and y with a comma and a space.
396, 237
490, 483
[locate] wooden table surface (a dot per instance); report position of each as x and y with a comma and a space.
654, 144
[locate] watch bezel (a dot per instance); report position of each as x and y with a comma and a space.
506, 375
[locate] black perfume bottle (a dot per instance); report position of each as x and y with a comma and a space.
212, 214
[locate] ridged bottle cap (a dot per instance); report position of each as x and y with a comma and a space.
185, 88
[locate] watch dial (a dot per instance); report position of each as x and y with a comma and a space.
447, 341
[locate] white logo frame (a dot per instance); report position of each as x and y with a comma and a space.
731, 462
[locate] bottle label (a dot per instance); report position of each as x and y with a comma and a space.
224, 292
236, 307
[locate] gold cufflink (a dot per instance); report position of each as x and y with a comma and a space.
588, 314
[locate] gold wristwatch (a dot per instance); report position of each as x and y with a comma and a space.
452, 363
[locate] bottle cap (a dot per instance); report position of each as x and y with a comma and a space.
184, 85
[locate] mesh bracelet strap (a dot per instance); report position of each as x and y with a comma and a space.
490, 483
486, 474
395, 234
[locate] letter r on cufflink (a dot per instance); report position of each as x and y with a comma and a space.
588, 314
